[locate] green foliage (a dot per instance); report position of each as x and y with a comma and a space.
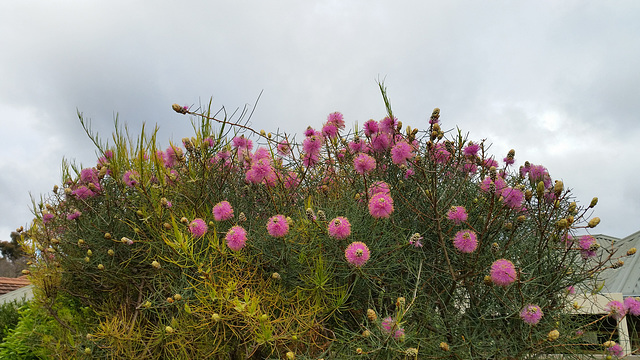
120, 239
9, 316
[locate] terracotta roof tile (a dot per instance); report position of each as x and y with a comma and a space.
10, 284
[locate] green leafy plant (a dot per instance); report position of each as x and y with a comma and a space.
381, 241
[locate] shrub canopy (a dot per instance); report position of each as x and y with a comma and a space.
384, 241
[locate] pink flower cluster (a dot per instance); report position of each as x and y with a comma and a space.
390, 326
531, 314
357, 253
465, 241
587, 244
401, 152
222, 211
616, 309
236, 238
261, 169
339, 228
198, 227
364, 164
131, 178
381, 205
503, 272
277, 226
457, 214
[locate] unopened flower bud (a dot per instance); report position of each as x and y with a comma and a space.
522, 218
594, 222
371, 315
177, 297
184, 220
275, 276
107, 236
169, 329
215, 317
310, 215
528, 195
573, 207
553, 335
167, 226
540, 188
291, 355
631, 251
400, 302
155, 264
413, 352
87, 259
366, 333
495, 247
87, 351
617, 264
55, 189
26, 272
558, 187
444, 346
359, 351
487, 280
179, 109
242, 217
594, 202
322, 216
100, 267
562, 224
609, 344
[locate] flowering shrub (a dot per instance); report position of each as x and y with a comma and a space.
381, 241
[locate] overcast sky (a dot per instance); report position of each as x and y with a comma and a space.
558, 81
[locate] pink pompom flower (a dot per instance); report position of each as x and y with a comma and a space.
198, 227
503, 272
457, 214
465, 241
531, 314
339, 228
222, 211
633, 305
400, 152
616, 309
615, 350
381, 205
131, 178
236, 238
357, 253
277, 226
364, 164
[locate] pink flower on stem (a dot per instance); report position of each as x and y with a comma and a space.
236, 238
222, 211
588, 246
457, 214
380, 142
400, 152
615, 350
339, 228
357, 253
381, 205
284, 148
364, 164
329, 130
337, 119
379, 187
465, 241
277, 226
388, 324
531, 314
241, 143
616, 309
440, 154
503, 272
371, 127
471, 150
198, 227
46, 217
513, 197
74, 215
633, 305
131, 178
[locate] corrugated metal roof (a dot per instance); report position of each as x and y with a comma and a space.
25, 292
626, 279
11, 284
